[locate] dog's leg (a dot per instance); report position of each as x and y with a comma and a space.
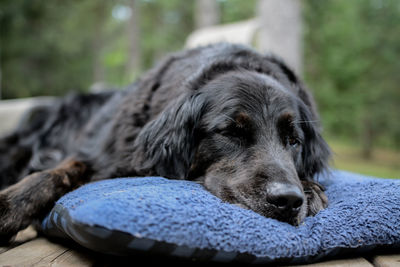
316, 198
33, 196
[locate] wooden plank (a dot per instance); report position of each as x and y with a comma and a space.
355, 262
22, 237
38, 252
387, 260
74, 258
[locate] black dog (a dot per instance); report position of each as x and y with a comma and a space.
238, 122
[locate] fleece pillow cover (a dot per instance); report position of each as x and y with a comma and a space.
181, 218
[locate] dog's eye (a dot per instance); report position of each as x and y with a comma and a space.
292, 141
232, 132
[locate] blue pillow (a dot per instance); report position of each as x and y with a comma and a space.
180, 218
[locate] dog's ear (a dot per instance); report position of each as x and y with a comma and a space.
168, 143
315, 152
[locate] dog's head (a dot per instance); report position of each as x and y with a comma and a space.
244, 135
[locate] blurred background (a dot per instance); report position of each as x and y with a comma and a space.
346, 51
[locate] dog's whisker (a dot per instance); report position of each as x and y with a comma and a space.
314, 121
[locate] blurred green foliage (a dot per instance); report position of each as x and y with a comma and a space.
352, 63
351, 51
52, 47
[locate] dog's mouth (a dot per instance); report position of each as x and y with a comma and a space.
294, 217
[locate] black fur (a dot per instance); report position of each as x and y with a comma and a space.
239, 122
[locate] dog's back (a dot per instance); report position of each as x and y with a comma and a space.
45, 135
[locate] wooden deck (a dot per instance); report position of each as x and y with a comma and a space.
30, 250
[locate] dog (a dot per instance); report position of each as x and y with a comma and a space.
238, 122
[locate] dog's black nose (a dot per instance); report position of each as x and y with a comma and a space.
287, 198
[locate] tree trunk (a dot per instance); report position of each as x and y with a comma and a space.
1, 80
281, 30
97, 41
207, 13
133, 32
367, 139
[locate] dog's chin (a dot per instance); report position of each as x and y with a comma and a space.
293, 219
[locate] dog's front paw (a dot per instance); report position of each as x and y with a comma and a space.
316, 198
10, 220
